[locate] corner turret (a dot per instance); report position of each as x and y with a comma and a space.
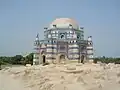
37, 50
89, 48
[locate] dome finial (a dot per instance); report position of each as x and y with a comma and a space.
37, 36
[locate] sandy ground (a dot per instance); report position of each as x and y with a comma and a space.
61, 77
8, 83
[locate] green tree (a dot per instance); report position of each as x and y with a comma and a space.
16, 59
29, 59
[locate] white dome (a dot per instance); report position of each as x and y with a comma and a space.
64, 23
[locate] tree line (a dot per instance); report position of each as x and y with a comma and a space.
20, 60
107, 60
17, 60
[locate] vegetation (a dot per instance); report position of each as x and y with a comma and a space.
17, 60
107, 60
20, 60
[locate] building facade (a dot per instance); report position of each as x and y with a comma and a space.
63, 38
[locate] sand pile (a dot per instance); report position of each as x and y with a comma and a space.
69, 76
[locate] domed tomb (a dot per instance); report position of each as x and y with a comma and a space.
64, 23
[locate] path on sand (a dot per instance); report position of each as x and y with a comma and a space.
9, 83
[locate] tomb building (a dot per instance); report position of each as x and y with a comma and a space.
63, 39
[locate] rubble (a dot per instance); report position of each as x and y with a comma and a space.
62, 77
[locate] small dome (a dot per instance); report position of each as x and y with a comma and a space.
64, 23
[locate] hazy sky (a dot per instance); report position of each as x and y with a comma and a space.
20, 20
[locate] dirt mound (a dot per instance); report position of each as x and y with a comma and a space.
69, 76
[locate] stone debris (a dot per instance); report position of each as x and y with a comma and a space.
64, 76
28, 65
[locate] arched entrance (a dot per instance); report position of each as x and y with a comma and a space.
44, 59
62, 57
82, 58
